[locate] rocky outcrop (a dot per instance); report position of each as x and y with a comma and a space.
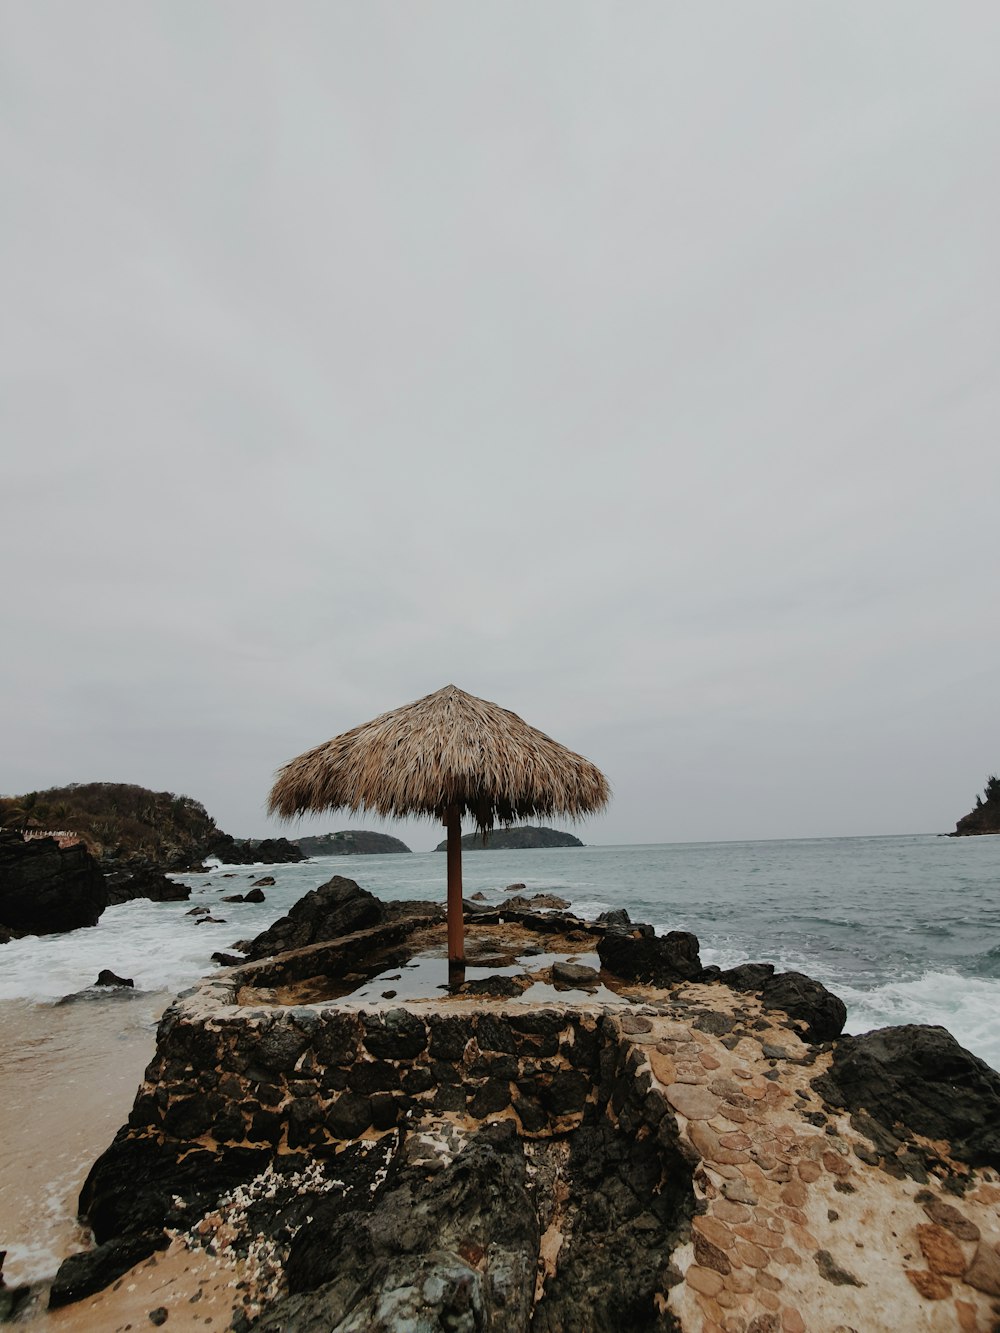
351, 842
919, 1080
46, 889
523, 837
803, 998
147, 883
252, 851
658, 959
681, 1154
985, 818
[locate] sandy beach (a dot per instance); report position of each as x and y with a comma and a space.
69, 1073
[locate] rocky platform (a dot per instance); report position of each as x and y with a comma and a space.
669, 1153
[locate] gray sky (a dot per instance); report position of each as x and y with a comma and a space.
633, 366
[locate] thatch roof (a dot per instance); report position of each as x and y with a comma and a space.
448, 748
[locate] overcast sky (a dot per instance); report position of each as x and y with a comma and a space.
635, 367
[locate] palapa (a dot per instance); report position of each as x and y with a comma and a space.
444, 756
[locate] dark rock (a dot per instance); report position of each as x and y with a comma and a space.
254, 896
919, 1078
618, 919
233, 898
747, 976
151, 884
350, 1115
247, 851
158, 1316
660, 959
803, 998
715, 1024
338, 907
82, 1274
264, 882
228, 959
500, 988
831, 1271
46, 889
397, 1035
108, 978
512, 888
455, 1250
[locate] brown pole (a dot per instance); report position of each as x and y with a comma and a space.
456, 928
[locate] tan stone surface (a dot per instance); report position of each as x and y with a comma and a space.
930, 1285
942, 1252
693, 1101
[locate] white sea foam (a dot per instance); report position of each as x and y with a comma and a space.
967, 1006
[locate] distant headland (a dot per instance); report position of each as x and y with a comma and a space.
985, 818
508, 839
350, 842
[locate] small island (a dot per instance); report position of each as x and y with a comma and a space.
350, 842
985, 818
510, 839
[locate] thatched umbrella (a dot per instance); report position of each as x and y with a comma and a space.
444, 756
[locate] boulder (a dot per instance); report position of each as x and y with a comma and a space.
82, 1274
921, 1078
747, 976
338, 907
108, 978
801, 997
248, 851
660, 959
46, 889
255, 895
151, 884
264, 882
577, 975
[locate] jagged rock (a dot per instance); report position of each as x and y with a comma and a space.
338, 907
747, 976
617, 919
248, 851
46, 889
660, 959
921, 1078
108, 978
82, 1274
151, 884
803, 998
456, 1251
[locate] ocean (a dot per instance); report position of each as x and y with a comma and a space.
903, 929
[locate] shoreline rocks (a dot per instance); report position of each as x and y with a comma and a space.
682, 1155
46, 889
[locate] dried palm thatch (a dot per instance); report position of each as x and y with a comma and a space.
444, 756
446, 752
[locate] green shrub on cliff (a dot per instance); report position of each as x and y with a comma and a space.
118, 820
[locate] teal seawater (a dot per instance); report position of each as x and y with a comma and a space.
905, 929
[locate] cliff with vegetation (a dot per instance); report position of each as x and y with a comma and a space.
350, 842
985, 818
507, 839
118, 822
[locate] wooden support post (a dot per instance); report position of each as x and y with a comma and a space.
456, 927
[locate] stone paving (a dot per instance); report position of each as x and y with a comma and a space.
799, 1233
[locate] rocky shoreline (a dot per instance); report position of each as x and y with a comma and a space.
604, 1134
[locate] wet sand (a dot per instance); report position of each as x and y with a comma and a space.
68, 1076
